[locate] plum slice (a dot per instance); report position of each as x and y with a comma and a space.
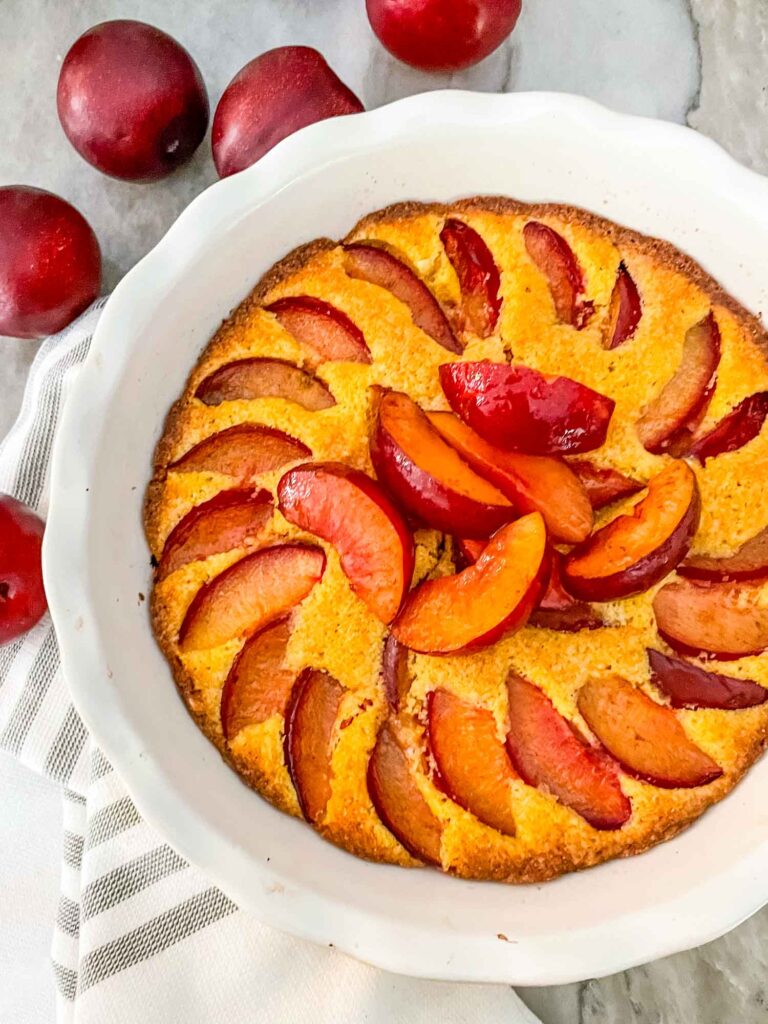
398, 801
646, 738
624, 311
748, 564
603, 484
473, 767
242, 452
667, 420
740, 426
690, 686
373, 263
548, 753
426, 476
477, 606
264, 378
518, 408
225, 522
348, 509
560, 611
251, 593
556, 260
327, 334
309, 724
478, 275
258, 685
715, 620
395, 677
533, 483
556, 610
633, 552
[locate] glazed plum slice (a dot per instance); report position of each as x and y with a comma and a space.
715, 620
308, 746
395, 677
426, 476
373, 263
548, 753
259, 684
560, 611
667, 421
478, 275
644, 737
228, 520
477, 606
624, 311
738, 428
348, 509
518, 408
557, 610
327, 334
264, 378
533, 483
397, 799
602, 484
242, 452
633, 552
748, 564
690, 686
556, 260
251, 593
473, 768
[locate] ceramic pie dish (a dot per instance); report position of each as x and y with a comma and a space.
596, 922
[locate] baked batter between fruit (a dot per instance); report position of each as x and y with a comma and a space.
462, 539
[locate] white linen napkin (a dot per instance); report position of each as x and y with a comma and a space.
140, 934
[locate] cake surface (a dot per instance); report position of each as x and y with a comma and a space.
321, 665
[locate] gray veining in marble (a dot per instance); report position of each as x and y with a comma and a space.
705, 61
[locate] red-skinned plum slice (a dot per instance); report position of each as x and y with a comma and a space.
556, 260
348, 509
624, 311
548, 753
634, 552
690, 686
426, 476
712, 620
646, 738
477, 606
264, 378
477, 273
225, 522
520, 409
473, 768
666, 421
377, 265
533, 483
327, 334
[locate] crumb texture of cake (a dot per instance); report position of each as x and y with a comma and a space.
460, 527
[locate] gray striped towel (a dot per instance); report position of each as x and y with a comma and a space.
140, 934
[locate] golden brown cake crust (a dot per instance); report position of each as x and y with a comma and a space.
469, 848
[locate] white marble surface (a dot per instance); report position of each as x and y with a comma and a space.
704, 61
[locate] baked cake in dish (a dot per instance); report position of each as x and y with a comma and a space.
461, 539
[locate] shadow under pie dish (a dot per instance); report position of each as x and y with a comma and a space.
458, 528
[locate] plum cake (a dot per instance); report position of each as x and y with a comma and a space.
461, 539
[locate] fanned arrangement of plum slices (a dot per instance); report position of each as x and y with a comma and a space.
461, 539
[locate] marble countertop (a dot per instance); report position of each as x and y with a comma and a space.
704, 62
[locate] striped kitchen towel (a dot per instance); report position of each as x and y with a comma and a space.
140, 934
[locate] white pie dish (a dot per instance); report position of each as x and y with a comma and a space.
657, 178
